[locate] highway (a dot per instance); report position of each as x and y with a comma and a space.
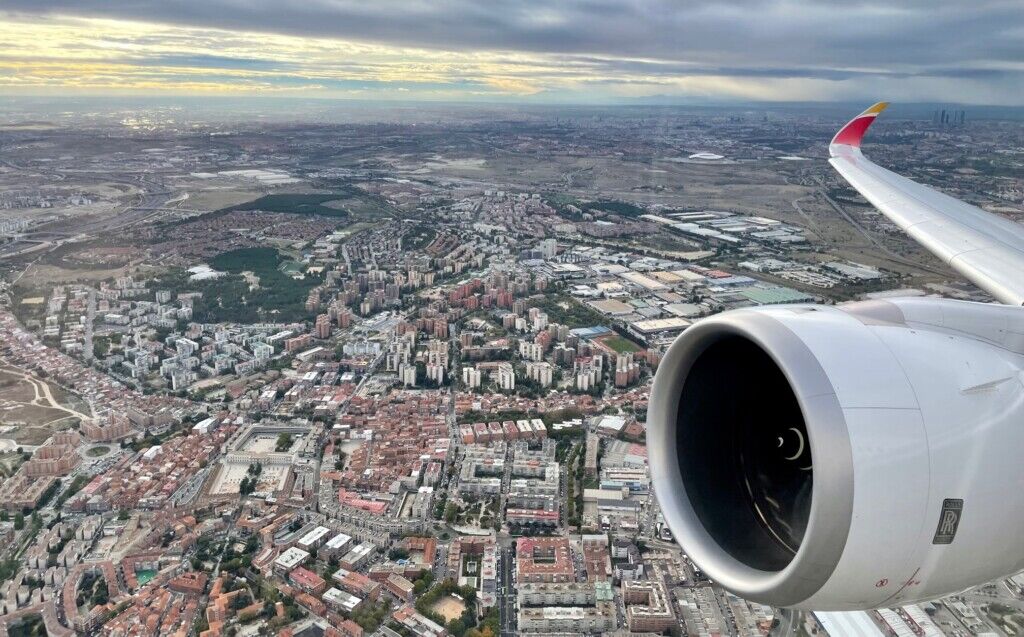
52, 234
892, 256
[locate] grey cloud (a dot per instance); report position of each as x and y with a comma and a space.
815, 39
850, 32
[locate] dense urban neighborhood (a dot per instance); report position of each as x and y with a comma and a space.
391, 378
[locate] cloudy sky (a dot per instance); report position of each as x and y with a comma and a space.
520, 50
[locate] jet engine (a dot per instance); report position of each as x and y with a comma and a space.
845, 457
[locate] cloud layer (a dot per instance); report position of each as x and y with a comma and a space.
575, 50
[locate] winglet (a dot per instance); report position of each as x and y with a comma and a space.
853, 132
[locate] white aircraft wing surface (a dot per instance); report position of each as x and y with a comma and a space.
983, 247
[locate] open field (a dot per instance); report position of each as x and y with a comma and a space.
215, 199
35, 407
620, 344
449, 607
299, 204
46, 274
568, 311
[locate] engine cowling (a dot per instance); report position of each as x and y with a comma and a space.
848, 457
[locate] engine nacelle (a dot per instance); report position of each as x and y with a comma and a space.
849, 457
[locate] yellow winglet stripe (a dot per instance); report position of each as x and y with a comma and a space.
876, 109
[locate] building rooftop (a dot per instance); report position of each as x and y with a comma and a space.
291, 558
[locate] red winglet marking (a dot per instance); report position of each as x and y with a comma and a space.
852, 133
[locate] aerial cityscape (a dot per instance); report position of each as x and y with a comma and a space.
379, 378
343, 321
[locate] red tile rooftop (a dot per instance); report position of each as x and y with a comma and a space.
544, 559
302, 576
352, 499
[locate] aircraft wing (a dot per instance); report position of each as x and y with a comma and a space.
985, 248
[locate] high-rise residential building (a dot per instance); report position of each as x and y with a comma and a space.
531, 351
262, 351
322, 328
407, 374
548, 248
313, 301
540, 372
471, 377
627, 372
540, 321
344, 318
436, 373
505, 376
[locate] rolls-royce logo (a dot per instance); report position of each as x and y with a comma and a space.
949, 520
